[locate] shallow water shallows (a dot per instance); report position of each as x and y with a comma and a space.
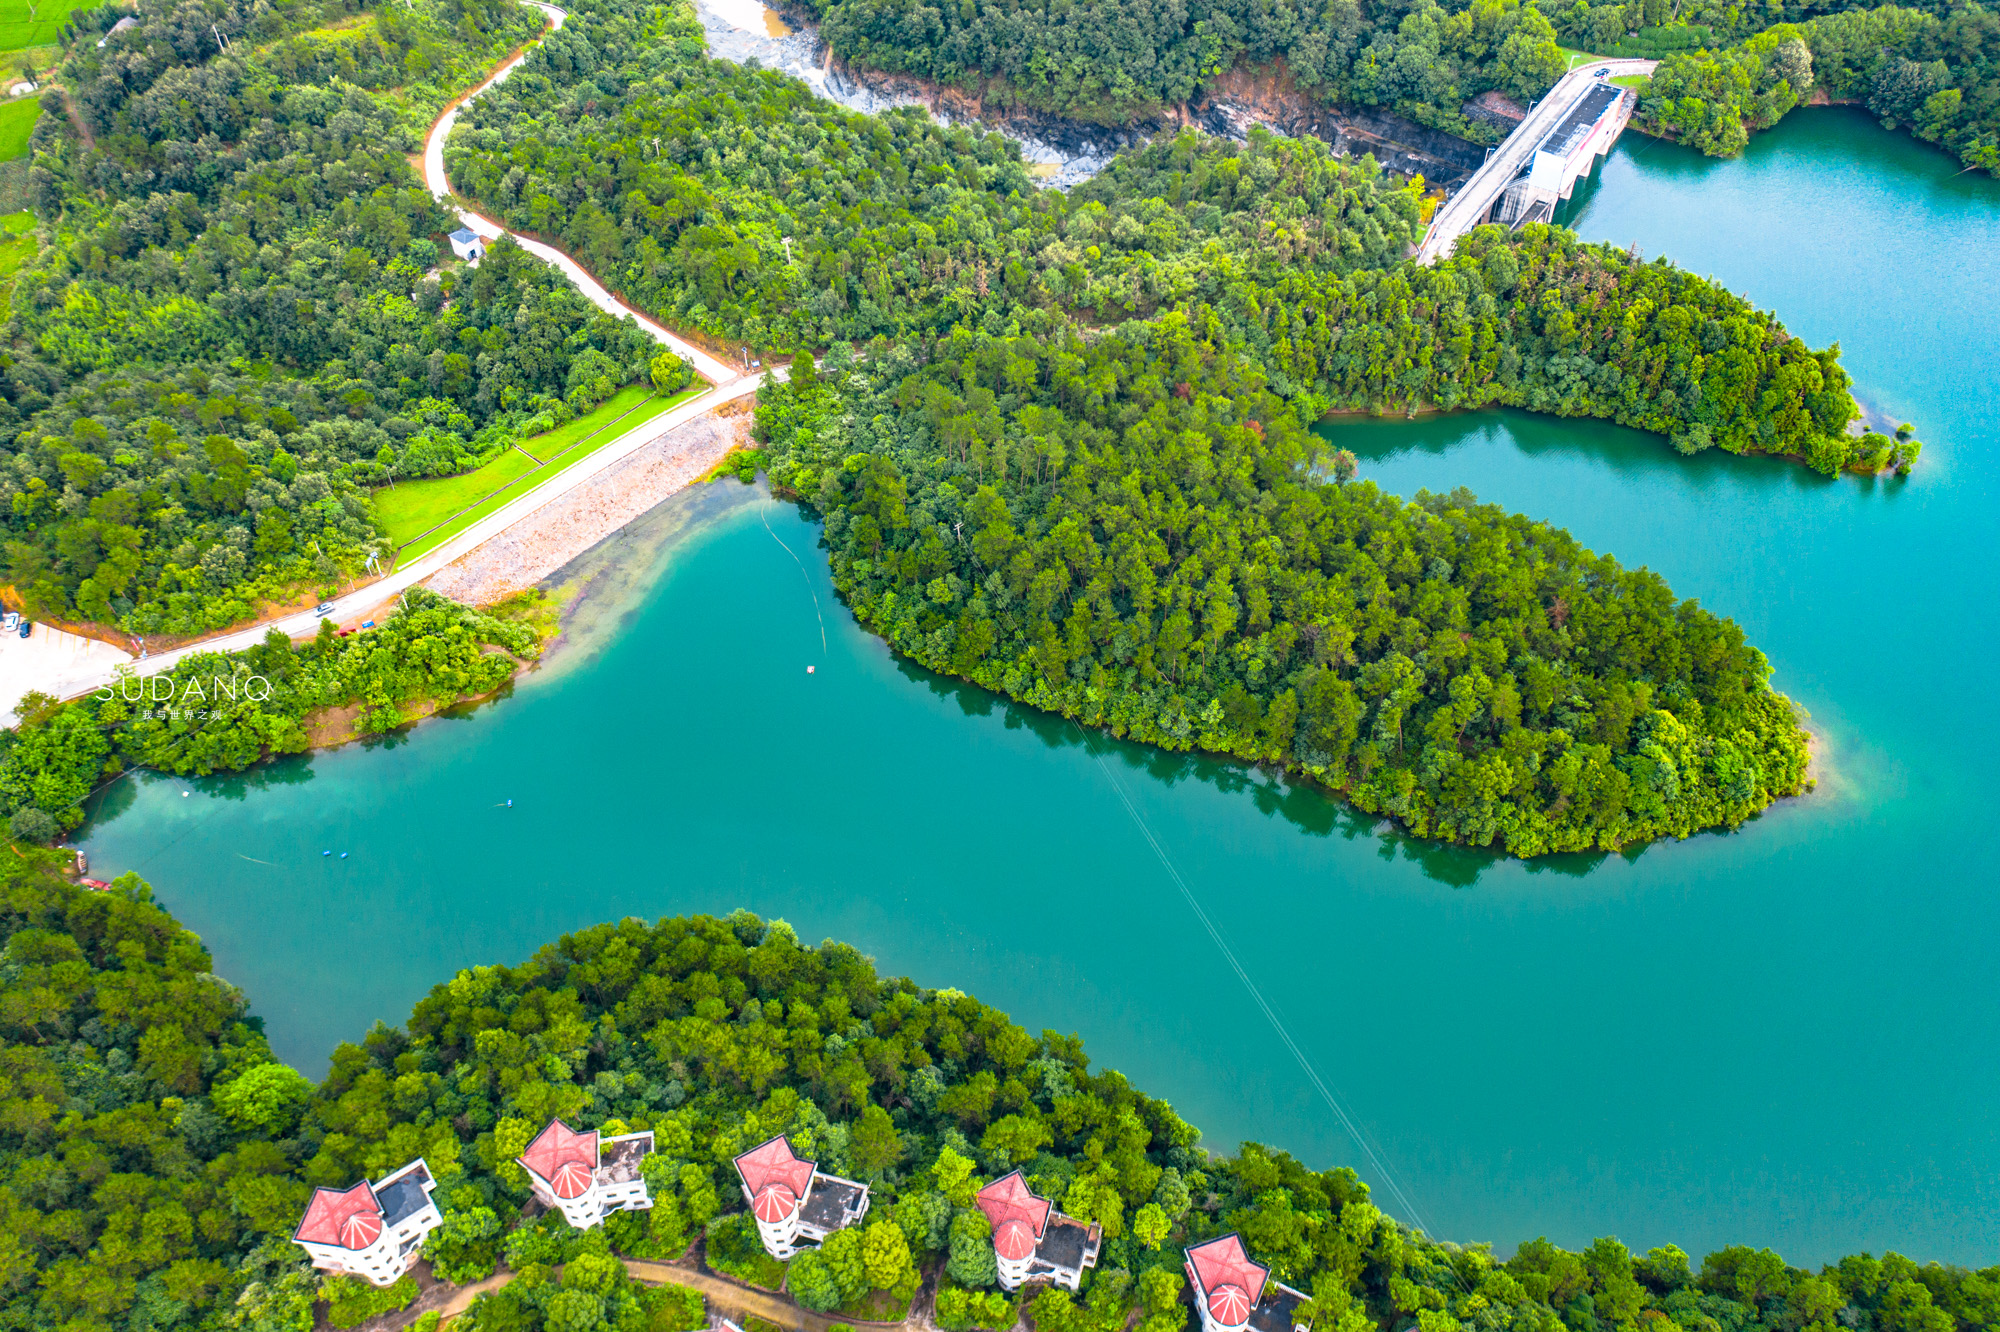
1784, 1036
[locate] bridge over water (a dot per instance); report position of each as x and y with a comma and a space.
1541, 161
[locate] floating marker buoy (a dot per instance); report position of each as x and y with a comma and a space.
343, 855
809, 670
510, 804
326, 853
185, 794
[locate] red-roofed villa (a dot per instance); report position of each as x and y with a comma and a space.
793, 1201
371, 1230
1032, 1241
1233, 1293
587, 1177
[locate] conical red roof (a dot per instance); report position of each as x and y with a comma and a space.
361, 1230
350, 1218
773, 1162
563, 1159
775, 1203
1014, 1240
571, 1180
1230, 1305
1227, 1280
1010, 1199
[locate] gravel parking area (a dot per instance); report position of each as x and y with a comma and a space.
53, 661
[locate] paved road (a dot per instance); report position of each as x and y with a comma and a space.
1463, 210
711, 369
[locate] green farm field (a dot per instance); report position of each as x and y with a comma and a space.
31, 23
17, 122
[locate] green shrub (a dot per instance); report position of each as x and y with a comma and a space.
350, 1301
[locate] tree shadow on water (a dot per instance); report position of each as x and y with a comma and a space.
1630, 455
116, 798
1306, 807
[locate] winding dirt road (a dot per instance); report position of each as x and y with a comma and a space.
714, 371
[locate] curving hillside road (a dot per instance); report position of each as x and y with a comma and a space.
711, 369
1462, 212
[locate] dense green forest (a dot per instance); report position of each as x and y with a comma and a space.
1114, 61
154, 1158
147, 1169
684, 183
679, 179
1935, 73
1117, 60
216, 712
231, 334
1136, 533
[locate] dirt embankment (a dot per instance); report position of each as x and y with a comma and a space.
546, 540
1267, 95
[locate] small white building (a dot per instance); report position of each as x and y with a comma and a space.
1032, 1241
1233, 1293
468, 245
792, 1201
371, 1230
587, 1178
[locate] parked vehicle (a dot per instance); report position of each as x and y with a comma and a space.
324, 608
27, 627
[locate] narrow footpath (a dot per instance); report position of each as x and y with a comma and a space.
725, 1296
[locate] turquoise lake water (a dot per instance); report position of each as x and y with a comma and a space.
1786, 1036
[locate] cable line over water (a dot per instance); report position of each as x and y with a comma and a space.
1347, 1121
762, 509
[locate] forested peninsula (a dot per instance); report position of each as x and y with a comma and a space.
154, 1158
1060, 447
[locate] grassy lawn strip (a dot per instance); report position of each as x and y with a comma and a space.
16, 248
422, 515
1636, 82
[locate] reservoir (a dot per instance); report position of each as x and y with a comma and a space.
1785, 1036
